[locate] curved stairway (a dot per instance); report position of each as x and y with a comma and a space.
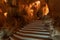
34, 31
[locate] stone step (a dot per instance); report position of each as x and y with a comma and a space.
33, 35
37, 33
33, 31
36, 30
24, 38
31, 27
48, 33
35, 26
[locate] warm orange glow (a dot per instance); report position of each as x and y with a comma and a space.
5, 0
37, 4
5, 14
33, 3
31, 12
30, 6
45, 10
30, 9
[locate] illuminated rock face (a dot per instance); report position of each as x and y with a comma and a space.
32, 7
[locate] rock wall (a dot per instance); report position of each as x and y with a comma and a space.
54, 6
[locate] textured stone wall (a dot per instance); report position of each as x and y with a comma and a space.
54, 6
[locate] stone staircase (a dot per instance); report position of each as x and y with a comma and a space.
33, 31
